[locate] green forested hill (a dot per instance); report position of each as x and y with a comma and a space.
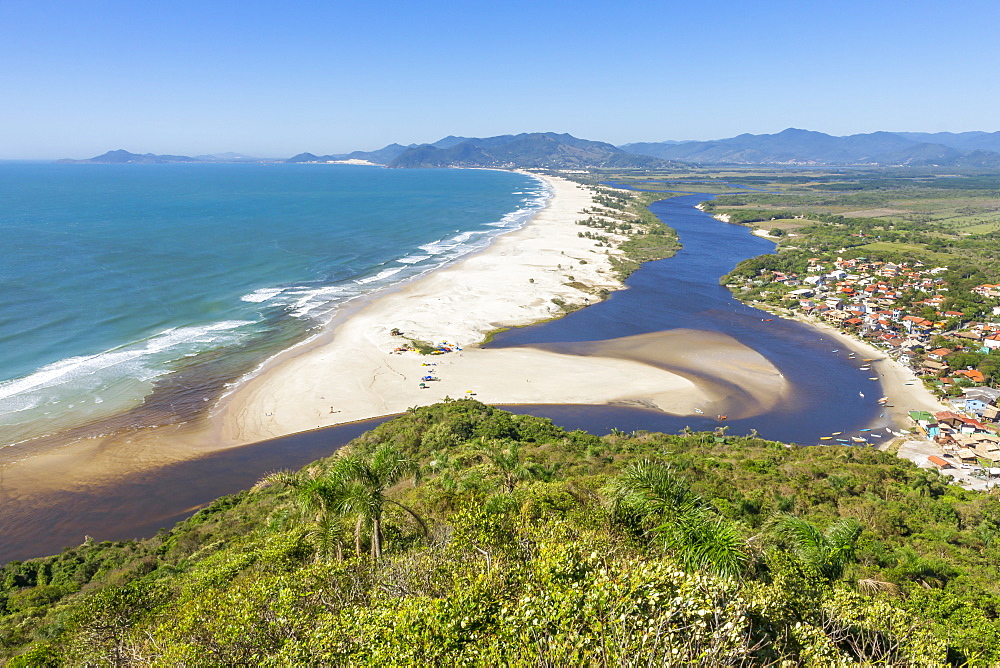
459, 533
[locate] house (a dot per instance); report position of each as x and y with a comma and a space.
967, 456
932, 368
992, 341
939, 353
938, 462
987, 290
949, 418
973, 375
978, 399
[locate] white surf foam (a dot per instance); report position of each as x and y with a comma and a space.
126, 360
262, 295
382, 275
413, 259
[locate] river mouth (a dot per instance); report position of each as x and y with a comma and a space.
821, 391
671, 307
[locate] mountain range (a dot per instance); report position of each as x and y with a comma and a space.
526, 150
805, 147
550, 150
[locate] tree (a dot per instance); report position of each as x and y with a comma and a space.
507, 462
699, 537
826, 553
356, 485
320, 497
364, 481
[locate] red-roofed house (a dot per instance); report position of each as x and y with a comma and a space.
938, 462
950, 418
973, 375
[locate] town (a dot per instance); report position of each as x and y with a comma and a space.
903, 309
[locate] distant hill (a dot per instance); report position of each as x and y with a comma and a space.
963, 141
380, 156
532, 150
122, 156
793, 146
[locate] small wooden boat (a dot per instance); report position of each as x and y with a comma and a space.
877, 435
699, 411
864, 368
858, 440
868, 359
873, 378
825, 438
869, 429
837, 433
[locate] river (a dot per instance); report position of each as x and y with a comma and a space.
678, 292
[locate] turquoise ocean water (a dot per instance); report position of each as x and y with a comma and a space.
133, 294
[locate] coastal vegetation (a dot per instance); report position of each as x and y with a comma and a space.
627, 213
459, 533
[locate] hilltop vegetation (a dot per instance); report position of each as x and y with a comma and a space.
521, 543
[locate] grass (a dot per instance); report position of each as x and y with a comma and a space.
422, 347
911, 249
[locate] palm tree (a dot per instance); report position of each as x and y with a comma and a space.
365, 481
828, 552
507, 461
319, 497
699, 537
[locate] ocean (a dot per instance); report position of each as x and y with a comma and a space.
134, 295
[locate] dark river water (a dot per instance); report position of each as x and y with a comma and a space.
679, 292
684, 292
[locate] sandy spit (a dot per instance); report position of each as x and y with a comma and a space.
356, 372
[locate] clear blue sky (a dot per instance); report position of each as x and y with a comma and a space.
79, 77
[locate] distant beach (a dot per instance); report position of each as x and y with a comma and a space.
668, 367
356, 372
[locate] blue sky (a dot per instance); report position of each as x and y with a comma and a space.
273, 79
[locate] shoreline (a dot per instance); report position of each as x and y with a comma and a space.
351, 367
525, 276
893, 376
510, 282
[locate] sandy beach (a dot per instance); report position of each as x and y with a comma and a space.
356, 372
353, 370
